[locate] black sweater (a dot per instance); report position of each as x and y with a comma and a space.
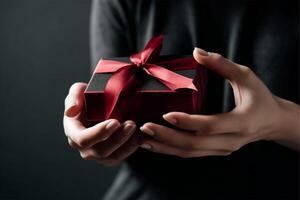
261, 34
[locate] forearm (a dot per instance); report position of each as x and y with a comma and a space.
288, 133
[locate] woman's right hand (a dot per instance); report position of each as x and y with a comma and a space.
107, 142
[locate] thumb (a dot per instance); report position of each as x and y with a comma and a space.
74, 100
219, 64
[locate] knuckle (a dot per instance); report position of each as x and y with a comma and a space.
216, 56
81, 142
72, 144
246, 71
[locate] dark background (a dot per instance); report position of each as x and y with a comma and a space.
44, 48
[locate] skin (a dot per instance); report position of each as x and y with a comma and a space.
258, 115
107, 143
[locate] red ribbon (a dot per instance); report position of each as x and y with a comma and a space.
124, 74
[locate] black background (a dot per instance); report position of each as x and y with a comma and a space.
44, 48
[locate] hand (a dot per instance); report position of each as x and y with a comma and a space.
108, 142
258, 115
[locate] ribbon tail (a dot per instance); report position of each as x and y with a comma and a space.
109, 66
115, 85
170, 79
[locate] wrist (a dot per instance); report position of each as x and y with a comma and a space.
287, 123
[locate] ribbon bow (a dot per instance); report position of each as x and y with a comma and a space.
124, 74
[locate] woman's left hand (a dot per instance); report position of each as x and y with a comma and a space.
258, 115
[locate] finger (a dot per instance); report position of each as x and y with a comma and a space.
107, 147
126, 150
162, 148
187, 141
74, 100
205, 124
220, 65
73, 144
121, 154
86, 137
167, 135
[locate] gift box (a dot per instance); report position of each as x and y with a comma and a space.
145, 86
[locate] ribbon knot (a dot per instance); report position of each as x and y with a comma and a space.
139, 64
124, 74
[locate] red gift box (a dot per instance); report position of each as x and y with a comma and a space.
145, 86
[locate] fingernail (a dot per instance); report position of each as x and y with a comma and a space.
201, 51
71, 108
128, 128
113, 124
70, 111
145, 146
147, 130
172, 120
